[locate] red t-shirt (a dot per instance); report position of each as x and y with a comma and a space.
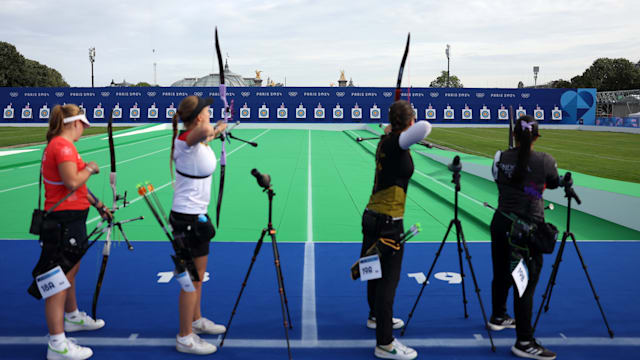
58, 151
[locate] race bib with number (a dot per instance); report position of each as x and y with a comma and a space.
52, 282
521, 277
185, 281
370, 268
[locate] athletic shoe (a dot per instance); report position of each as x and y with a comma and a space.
82, 322
397, 323
206, 326
497, 323
68, 350
532, 350
193, 344
398, 351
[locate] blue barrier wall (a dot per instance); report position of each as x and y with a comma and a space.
305, 104
629, 122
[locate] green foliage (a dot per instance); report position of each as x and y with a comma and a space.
142, 84
441, 81
561, 84
609, 74
17, 71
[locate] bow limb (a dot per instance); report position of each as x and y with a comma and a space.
401, 71
223, 152
106, 251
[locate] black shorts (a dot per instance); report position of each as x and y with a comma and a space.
197, 233
63, 239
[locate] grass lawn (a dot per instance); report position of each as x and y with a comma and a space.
11, 136
604, 154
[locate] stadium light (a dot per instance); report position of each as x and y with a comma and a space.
536, 69
448, 52
92, 59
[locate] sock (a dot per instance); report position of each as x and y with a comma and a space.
72, 315
197, 322
184, 339
56, 340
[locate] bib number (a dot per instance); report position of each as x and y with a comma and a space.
52, 282
521, 277
370, 268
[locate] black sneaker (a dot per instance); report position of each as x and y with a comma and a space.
532, 350
503, 322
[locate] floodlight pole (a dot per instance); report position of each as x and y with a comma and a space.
536, 69
155, 77
448, 52
92, 59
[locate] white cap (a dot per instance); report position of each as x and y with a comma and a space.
80, 117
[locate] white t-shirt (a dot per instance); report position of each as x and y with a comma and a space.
192, 195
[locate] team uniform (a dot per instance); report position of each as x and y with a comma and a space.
64, 241
525, 201
383, 218
194, 168
64, 233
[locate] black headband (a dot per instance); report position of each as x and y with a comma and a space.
201, 105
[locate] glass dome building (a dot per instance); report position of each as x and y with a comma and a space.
212, 80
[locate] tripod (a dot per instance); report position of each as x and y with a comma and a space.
455, 167
569, 193
264, 181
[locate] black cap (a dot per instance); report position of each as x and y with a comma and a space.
202, 102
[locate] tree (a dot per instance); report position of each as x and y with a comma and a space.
142, 84
609, 74
441, 81
16, 71
520, 85
560, 84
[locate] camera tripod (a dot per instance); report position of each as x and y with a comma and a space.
455, 167
264, 181
569, 193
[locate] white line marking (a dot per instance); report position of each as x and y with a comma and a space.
159, 127
100, 150
563, 336
133, 336
169, 183
11, 152
101, 167
309, 322
328, 344
477, 336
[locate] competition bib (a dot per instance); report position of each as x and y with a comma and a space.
52, 282
370, 268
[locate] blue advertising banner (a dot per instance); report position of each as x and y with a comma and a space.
306, 104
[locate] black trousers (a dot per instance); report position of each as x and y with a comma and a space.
381, 292
502, 280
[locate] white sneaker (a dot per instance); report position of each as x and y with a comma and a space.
398, 351
82, 322
68, 350
206, 326
193, 344
397, 323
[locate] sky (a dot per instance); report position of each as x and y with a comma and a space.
494, 43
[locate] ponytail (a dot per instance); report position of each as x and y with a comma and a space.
526, 130
174, 122
186, 107
58, 114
